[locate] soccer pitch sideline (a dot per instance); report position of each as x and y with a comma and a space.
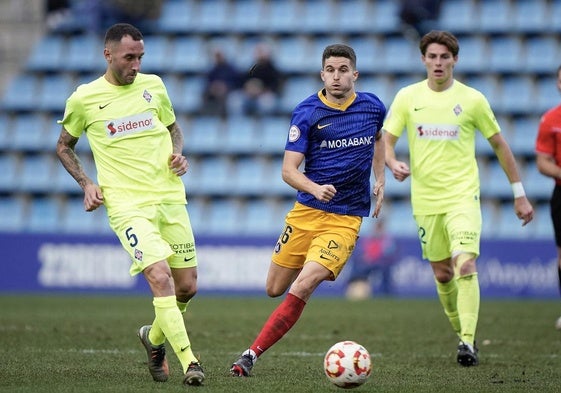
88, 344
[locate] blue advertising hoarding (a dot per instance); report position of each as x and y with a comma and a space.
98, 264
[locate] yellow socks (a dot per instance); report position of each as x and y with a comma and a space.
169, 320
448, 295
468, 306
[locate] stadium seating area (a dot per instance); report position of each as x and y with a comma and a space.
509, 51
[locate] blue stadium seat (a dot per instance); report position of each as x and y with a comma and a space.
272, 134
379, 85
488, 85
473, 54
547, 94
21, 94
399, 218
489, 215
223, 218
211, 16
63, 182
5, 131
36, 174
518, 95
297, 89
542, 227
247, 16
353, 16
283, 16
459, 16
8, 172
508, 225
53, 92
44, 215
542, 55
495, 16
494, 183
12, 211
204, 135
368, 49
395, 188
260, 217
555, 21
188, 54
49, 54
537, 186
240, 135
530, 16
177, 17
28, 133
156, 54
75, 219
275, 184
211, 176
85, 54
317, 16
386, 17
249, 176
524, 133
188, 96
505, 54
292, 54
399, 55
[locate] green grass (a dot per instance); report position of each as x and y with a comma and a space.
89, 344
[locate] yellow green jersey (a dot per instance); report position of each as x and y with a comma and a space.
441, 129
126, 127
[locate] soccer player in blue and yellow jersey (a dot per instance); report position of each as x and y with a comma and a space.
137, 148
440, 116
334, 132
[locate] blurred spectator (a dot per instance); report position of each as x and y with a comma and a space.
371, 263
419, 17
56, 13
221, 80
261, 87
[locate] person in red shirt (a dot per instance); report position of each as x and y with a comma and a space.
548, 160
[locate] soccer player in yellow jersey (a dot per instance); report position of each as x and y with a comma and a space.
137, 147
440, 116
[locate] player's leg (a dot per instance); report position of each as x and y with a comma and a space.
464, 228
435, 248
555, 211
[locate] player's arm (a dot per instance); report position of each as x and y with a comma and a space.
378, 167
297, 180
522, 206
93, 197
547, 166
400, 169
178, 162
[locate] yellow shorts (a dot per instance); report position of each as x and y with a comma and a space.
314, 235
155, 233
456, 231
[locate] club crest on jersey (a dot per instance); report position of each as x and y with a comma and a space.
438, 131
129, 125
457, 110
147, 96
138, 254
293, 133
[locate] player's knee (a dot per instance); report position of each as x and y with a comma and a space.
273, 291
185, 291
465, 264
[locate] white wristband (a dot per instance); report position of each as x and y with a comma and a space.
518, 190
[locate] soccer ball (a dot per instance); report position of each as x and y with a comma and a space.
347, 364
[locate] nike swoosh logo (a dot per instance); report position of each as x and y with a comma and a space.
103, 106
418, 109
183, 349
323, 126
322, 257
188, 259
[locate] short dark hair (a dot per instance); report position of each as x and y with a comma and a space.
116, 32
339, 50
440, 37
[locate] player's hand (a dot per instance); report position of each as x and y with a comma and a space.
400, 170
378, 193
325, 193
524, 210
93, 197
178, 164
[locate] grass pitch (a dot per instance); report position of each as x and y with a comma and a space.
88, 344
